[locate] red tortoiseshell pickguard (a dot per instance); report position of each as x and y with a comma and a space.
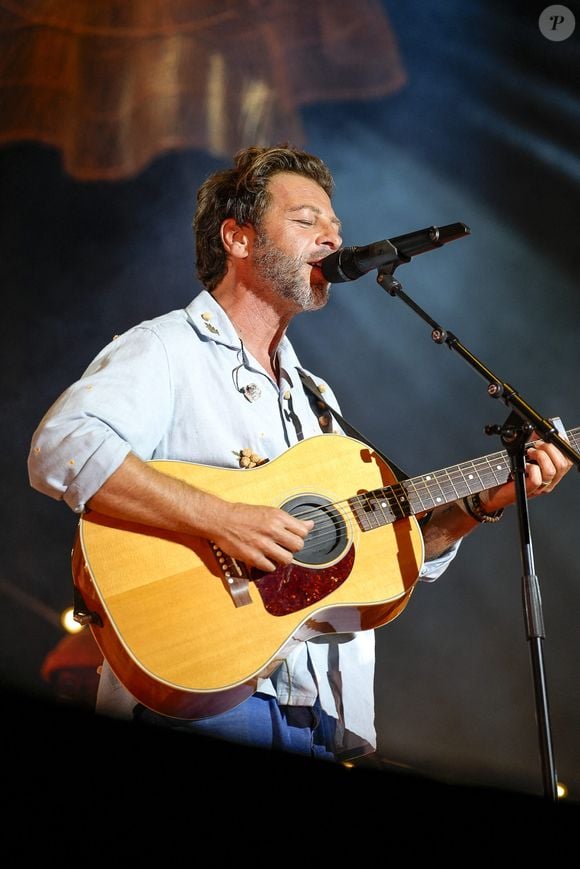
295, 587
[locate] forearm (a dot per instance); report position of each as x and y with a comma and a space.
447, 525
261, 536
136, 492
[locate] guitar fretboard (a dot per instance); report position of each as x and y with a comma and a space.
418, 494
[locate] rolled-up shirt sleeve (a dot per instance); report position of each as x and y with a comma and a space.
119, 405
434, 567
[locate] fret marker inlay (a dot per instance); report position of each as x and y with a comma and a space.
416, 494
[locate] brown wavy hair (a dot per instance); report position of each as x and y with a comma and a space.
242, 192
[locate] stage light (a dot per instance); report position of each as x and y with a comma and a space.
68, 622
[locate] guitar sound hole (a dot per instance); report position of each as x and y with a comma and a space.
328, 539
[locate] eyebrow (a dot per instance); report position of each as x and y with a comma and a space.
316, 210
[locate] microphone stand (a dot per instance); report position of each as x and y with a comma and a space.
522, 420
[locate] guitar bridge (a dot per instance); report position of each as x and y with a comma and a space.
235, 577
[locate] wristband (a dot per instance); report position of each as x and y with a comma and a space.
475, 510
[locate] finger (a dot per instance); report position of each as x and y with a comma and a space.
263, 563
541, 472
288, 540
271, 557
559, 461
298, 526
277, 544
266, 555
283, 526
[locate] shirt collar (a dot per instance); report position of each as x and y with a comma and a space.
211, 322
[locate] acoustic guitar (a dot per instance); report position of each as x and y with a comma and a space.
189, 631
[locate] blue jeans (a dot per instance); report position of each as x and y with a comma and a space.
261, 722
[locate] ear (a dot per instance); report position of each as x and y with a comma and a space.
235, 238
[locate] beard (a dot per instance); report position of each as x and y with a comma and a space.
285, 275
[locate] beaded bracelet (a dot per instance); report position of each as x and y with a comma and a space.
475, 510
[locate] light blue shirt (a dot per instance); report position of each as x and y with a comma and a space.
183, 387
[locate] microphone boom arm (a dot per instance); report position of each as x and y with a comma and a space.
497, 388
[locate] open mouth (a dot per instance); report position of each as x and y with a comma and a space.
317, 275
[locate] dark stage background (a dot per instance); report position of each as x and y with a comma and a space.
484, 130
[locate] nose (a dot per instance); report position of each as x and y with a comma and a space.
329, 236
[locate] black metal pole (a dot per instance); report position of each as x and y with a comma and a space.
514, 437
521, 422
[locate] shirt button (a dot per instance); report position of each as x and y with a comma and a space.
287, 395
206, 316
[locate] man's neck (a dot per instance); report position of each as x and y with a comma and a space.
260, 322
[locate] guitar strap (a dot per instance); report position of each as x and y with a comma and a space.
346, 426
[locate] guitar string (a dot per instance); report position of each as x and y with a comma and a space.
383, 494
316, 537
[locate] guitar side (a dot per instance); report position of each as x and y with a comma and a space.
170, 627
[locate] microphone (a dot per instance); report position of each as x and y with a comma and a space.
350, 263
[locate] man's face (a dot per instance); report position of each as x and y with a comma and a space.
299, 228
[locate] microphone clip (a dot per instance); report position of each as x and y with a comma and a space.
386, 278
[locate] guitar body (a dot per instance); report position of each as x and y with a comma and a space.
188, 635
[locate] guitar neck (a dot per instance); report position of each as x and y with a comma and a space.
419, 494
